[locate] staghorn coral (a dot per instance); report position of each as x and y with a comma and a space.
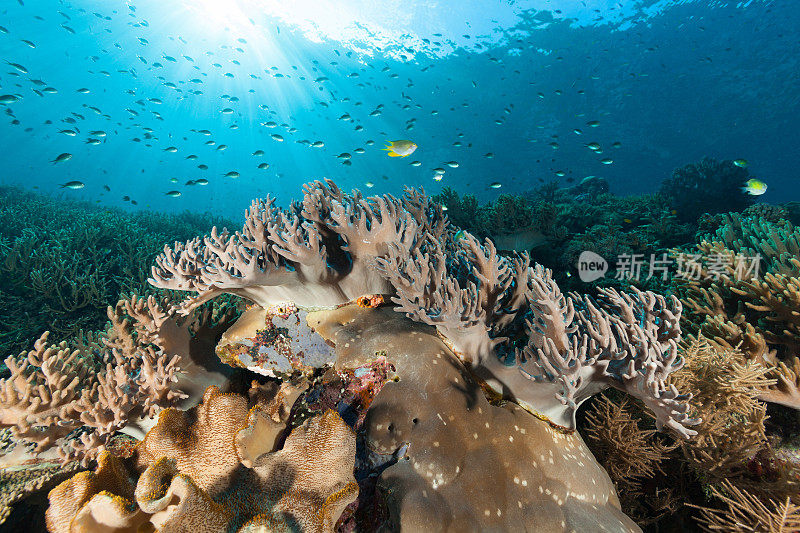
74, 398
767, 212
201, 471
64, 261
512, 222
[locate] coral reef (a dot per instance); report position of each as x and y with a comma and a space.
73, 398
746, 293
21, 481
746, 512
393, 361
64, 262
204, 471
333, 248
709, 186
513, 222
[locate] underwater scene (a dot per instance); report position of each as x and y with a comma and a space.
420, 266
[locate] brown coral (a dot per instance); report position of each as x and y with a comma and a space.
462, 463
731, 445
755, 309
193, 479
746, 512
146, 361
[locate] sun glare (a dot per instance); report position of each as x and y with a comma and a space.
219, 15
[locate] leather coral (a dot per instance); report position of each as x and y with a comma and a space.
71, 398
199, 471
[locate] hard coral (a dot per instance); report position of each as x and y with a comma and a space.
709, 186
732, 447
64, 261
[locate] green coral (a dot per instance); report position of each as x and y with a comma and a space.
730, 308
506, 215
64, 262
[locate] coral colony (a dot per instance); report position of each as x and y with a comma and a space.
389, 371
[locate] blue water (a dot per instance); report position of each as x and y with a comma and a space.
670, 82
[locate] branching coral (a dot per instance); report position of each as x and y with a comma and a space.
64, 262
512, 222
754, 309
633, 456
337, 247
746, 512
473, 345
731, 449
20, 482
76, 397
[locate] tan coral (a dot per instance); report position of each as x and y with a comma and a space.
23, 481
193, 481
746, 512
69, 497
464, 464
732, 444
319, 253
150, 358
200, 440
786, 390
